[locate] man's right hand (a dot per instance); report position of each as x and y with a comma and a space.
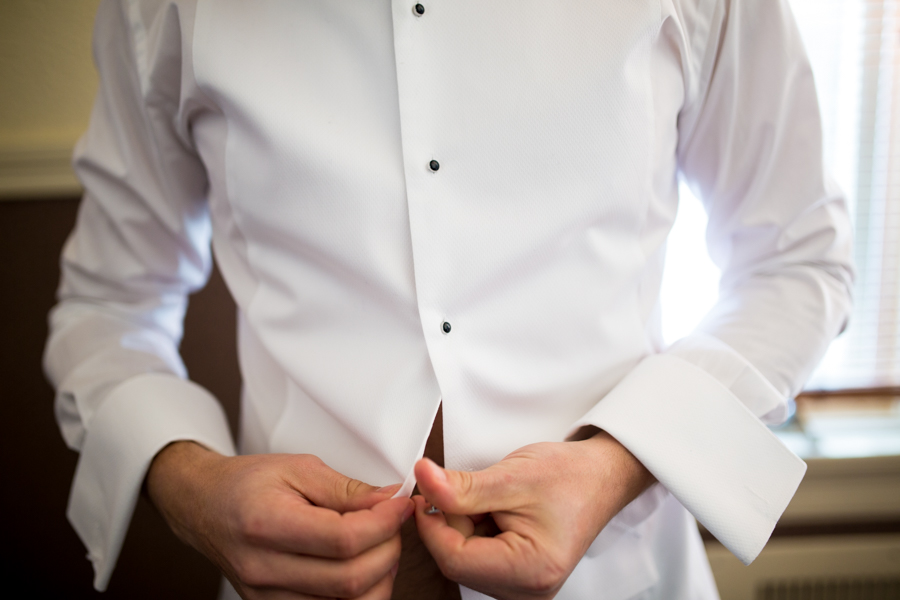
281, 526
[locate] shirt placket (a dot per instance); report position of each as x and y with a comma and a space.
418, 66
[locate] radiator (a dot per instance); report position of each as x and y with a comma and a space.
844, 567
830, 589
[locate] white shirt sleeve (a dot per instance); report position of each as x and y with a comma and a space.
750, 147
140, 246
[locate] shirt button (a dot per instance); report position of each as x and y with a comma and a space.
446, 327
434, 165
419, 10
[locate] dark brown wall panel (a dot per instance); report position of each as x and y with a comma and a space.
40, 554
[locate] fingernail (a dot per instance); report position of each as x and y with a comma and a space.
408, 512
389, 489
394, 570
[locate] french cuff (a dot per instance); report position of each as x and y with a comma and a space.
736, 373
136, 420
705, 446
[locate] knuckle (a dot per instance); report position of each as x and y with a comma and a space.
466, 482
346, 543
249, 571
547, 579
306, 459
384, 593
450, 567
252, 523
353, 584
396, 547
352, 487
466, 488
505, 478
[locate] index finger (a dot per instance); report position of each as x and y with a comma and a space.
497, 564
294, 526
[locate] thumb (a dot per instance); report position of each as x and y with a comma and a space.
465, 492
325, 487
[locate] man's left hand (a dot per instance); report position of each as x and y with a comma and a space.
548, 500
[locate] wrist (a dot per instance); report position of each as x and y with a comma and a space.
176, 479
622, 476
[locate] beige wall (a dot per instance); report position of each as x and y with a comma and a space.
47, 86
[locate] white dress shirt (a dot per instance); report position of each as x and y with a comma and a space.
298, 138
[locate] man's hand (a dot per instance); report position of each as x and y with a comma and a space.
549, 502
281, 526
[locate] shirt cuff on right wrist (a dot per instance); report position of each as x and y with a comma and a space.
735, 372
705, 446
